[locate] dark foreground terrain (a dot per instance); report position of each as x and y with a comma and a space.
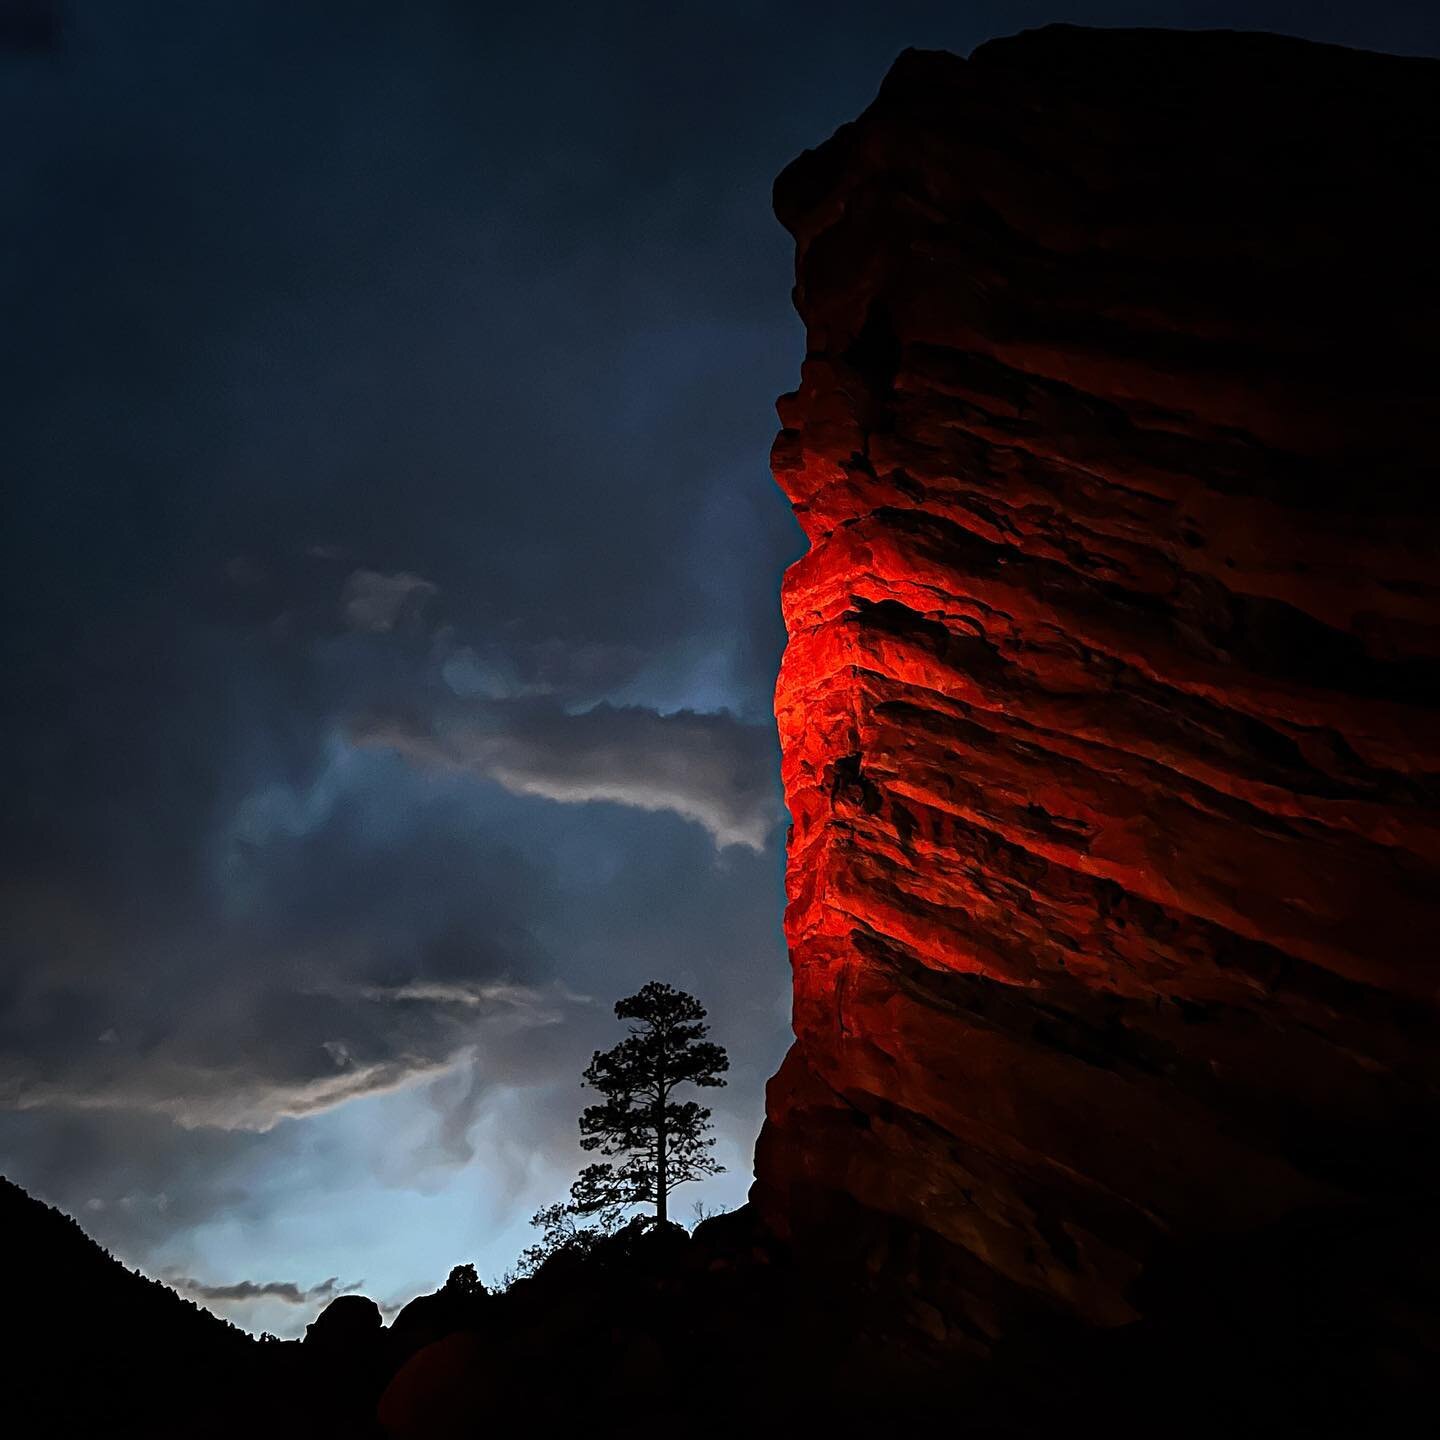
710, 1332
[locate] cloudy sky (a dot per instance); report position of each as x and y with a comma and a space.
390, 578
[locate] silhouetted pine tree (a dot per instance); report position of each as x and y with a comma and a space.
660, 1141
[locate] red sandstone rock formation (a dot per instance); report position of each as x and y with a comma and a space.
1108, 711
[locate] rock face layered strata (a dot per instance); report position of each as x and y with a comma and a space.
1109, 706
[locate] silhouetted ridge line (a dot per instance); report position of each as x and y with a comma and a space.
97, 1343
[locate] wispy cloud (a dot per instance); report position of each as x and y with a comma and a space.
538, 1005
710, 768
198, 1098
286, 1291
378, 603
383, 1038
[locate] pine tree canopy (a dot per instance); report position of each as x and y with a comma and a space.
661, 1140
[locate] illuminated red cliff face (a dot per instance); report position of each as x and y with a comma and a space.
1108, 711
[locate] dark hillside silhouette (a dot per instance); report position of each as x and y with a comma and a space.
727, 1317
76, 1311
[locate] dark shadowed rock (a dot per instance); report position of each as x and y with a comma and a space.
348, 1322
445, 1389
444, 1312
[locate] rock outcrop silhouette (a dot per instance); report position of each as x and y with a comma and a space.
1109, 705
348, 1323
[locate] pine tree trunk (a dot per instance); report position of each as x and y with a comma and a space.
660, 1175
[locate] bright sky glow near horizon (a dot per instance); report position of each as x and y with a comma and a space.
391, 596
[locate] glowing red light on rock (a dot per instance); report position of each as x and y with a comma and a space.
1113, 862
